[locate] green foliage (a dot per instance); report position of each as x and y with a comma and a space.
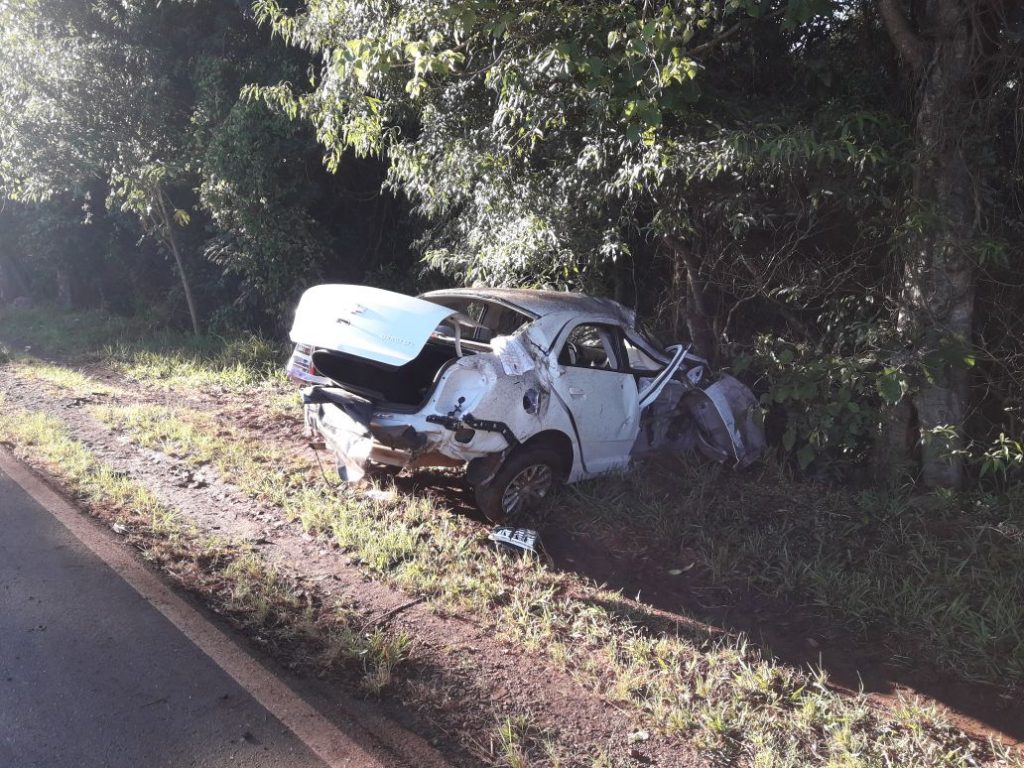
826, 408
935, 578
257, 196
136, 111
1001, 460
84, 94
540, 137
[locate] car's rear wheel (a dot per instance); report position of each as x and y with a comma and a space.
516, 493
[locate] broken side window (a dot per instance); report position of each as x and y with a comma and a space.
590, 345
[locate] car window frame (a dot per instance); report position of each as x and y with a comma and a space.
621, 361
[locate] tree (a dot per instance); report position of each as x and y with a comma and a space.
137, 103
552, 143
85, 97
957, 55
540, 139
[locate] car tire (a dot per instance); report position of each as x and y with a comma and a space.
516, 492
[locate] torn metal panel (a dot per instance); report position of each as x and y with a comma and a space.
513, 353
344, 421
728, 412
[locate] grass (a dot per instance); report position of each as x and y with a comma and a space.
273, 608
67, 381
718, 692
957, 601
942, 576
207, 362
27, 367
515, 745
142, 353
67, 334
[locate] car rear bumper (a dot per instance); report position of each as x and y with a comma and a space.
358, 434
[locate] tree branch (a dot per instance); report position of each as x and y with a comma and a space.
714, 42
906, 40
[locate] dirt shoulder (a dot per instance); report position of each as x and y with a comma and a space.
458, 684
489, 677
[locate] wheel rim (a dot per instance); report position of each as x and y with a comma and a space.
527, 488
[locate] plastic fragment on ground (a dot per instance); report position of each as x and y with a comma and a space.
516, 539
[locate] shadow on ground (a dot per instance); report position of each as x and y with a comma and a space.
796, 635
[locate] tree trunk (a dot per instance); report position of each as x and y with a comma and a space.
64, 292
172, 243
698, 321
937, 301
12, 285
890, 457
622, 277
6, 285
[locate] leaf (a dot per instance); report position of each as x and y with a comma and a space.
467, 20
805, 456
181, 217
890, 388
789, 439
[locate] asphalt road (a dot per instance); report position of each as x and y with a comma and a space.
92, 675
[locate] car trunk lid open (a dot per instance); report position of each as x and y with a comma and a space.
368, 323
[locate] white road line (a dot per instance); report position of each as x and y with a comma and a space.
322, 737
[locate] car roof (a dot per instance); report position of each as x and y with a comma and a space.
540, 303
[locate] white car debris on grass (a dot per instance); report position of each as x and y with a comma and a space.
516, 539
525, 389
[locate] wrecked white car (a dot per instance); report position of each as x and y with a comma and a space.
523, 388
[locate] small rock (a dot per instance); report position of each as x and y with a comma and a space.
119, 529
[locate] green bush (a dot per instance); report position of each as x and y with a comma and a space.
821, 408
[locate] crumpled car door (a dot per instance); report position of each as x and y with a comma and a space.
649, 393
601, 399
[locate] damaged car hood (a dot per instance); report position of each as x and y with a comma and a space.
371, 323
